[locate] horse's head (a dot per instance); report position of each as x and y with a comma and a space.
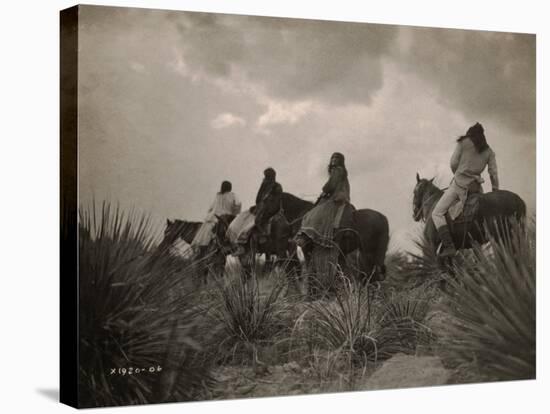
183, 229
422, 186
171, 231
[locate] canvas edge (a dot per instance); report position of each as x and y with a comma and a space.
68, 117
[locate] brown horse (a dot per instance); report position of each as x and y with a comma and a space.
496, 209
368, 235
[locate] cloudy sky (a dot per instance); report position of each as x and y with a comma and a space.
172, 103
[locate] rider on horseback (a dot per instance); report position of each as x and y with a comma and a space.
471, 155
268, 200
268, 203
225, 203
319, 223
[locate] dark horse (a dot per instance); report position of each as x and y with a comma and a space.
369, 236
278, 243
179, 229
495, 211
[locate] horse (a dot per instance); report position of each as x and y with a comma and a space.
369, 236
279, 241
494, 216
207, 258
178, 229
277, 244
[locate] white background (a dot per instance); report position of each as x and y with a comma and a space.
29, 126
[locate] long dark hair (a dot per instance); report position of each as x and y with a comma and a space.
477, 134
226, 187
339, 157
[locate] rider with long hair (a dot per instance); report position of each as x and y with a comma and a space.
268, 199
225, 203
470, 157
319, 223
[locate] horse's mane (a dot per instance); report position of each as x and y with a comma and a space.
432, 194
432, 188
295, 207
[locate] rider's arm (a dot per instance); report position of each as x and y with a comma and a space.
259, 195
236, 205
455, 158
332, 183
493, 171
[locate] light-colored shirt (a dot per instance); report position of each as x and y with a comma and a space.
467, 164
226, 203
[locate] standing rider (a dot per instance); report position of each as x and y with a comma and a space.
319, 223
471, 155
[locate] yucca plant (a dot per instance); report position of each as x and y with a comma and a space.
137, 323
492, 301
246, 316
345, 322
400, 322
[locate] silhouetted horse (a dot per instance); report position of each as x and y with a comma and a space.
494, 213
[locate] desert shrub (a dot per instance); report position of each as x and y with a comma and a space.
400, 321
246, 317
135, 312
344, 323
492, 302
364, 332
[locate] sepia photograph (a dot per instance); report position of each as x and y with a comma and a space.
256, 206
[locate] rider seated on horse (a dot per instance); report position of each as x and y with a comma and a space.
319, 223
268, 200
268, 203
471, 155
225, 203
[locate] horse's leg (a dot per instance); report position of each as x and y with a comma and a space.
250, 259
306, 272
292, 270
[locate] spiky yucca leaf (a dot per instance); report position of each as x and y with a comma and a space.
493, 304
135, 312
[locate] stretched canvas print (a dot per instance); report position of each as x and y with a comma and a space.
257, 206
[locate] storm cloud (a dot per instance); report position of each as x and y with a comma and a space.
486, 75
289, 59
172, 103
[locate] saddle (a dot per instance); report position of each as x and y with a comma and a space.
469, 210
344, 218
